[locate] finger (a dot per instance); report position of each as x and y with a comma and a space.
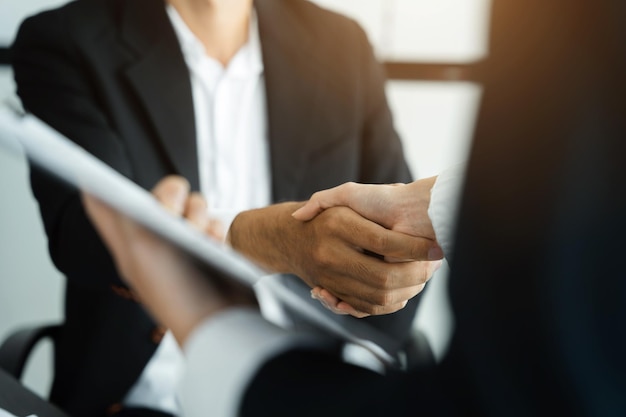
380, 302
368, 288
359, 310
172, 193
215, 229
328, 297
196, 211
321, 200
329, 301
352, 227
338, 306
348, 309
106, 220
350, 272
387, 243
315, 294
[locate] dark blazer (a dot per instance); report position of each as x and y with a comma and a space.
537, 285
109, 74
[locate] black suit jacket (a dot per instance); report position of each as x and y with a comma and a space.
109, 74
537, 284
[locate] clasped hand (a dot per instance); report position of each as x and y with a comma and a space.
398, 207
329, 247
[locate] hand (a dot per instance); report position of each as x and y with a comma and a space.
398, 207
331, 251
169, 283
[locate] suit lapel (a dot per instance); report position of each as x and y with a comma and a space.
160, 79
292, 94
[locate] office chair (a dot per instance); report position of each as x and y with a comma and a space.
14, 353
17, 347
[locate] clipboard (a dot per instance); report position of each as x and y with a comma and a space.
55, 153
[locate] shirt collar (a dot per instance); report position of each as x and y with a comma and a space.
246, 62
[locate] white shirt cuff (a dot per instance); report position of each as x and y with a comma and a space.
444, 201
223, 355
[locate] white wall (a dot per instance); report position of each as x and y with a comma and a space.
13, 11
421, 30
434, 119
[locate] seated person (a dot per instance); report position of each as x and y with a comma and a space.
252, 102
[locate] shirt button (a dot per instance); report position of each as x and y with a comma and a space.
114, 409
125, 293
157, 334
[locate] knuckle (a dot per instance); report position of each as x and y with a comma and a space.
377, 310
317, 197
320, 255
349, 187
368, 309
421, 272
417, 250
383, 298
379, 242
331, 219
387, 299
429, 269
386, 280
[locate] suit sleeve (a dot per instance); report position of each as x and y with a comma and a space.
444, 206
241, 365
229, 355
54, 84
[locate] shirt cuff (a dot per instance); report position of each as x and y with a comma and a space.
223, 355
444, 202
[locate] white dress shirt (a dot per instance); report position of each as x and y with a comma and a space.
224, 353
231, 133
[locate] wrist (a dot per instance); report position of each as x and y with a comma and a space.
264, 235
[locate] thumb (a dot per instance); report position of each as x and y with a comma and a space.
321, 200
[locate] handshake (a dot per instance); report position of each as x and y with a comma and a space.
363, 249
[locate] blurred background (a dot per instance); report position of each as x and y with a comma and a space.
429, 48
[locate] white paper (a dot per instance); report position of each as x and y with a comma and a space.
59, 155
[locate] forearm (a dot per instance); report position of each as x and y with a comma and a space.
54, 84
266, 236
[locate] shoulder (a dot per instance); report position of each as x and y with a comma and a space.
311, 24
326, 25
77, 19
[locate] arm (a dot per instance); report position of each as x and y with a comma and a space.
329, 252
53, 85
221, 328
425, 208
